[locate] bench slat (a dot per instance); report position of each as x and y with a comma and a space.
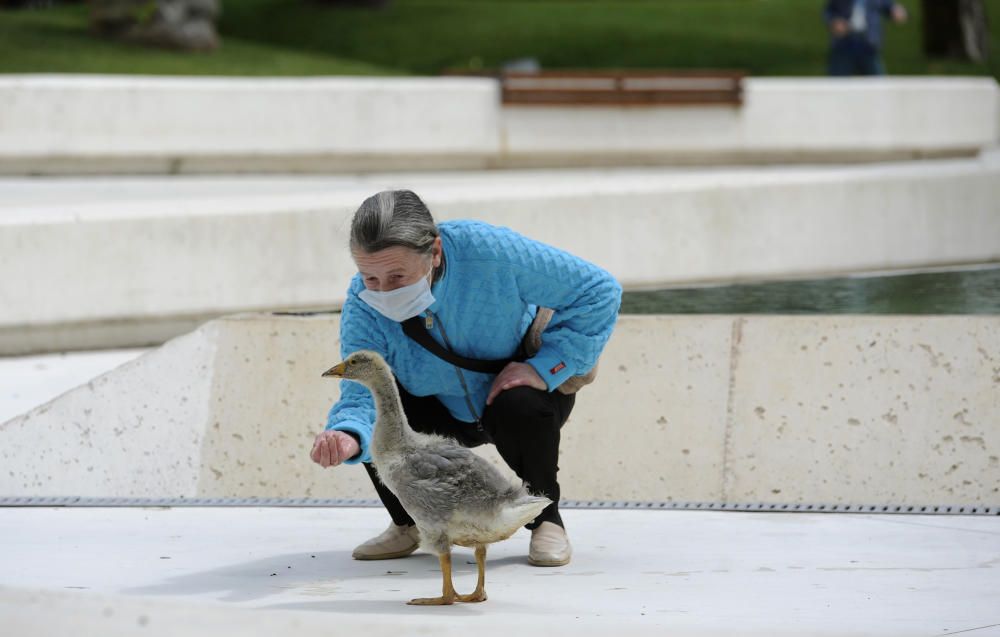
625, 88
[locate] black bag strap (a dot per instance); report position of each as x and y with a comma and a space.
414, 328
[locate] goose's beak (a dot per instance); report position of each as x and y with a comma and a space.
336, 371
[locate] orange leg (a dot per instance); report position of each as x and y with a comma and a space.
478, 595
448, 594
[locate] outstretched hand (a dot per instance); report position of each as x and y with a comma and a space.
333, 447
515, 375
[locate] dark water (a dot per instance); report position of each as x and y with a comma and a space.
953, 292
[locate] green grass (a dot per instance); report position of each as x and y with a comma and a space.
301, 37
58, 41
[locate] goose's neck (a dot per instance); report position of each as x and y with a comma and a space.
391, 428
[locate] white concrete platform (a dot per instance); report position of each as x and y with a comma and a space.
229, 571
85, 124
126, 262
137, 124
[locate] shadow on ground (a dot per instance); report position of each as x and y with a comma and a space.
324, 574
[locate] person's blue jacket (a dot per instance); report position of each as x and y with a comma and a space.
494, 280
874, 10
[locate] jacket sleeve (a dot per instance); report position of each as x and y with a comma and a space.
585, 298
355, 411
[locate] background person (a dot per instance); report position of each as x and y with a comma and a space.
856, 34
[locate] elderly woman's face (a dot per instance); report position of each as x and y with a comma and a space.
395, 267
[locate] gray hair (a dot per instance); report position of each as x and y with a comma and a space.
393, 218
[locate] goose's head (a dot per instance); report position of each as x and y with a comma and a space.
363, 366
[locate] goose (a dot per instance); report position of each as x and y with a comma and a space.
455, 496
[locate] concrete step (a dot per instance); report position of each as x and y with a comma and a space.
29, 381
835, 410
123, 262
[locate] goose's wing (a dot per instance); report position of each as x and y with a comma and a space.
445, 477
438, 461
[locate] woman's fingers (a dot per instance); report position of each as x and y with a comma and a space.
337, 448
515, 375
333, 448
494, 390
324, 452
498, 385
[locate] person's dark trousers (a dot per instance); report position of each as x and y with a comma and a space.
524, 423
853, 54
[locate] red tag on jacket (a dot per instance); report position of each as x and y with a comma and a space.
557, 368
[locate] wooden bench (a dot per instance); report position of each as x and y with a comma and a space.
623, 88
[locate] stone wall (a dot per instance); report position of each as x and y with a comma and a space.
836, 410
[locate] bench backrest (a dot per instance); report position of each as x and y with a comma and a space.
623, 88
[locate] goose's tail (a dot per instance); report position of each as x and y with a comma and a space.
522, 510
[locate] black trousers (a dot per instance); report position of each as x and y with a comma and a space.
524, 423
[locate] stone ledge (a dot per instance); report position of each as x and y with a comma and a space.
769, 409
61, 124
201, 248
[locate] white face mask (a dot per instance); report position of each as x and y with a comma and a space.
401, 303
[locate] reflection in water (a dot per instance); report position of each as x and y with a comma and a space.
953, 292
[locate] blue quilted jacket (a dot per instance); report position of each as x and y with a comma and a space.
494, 279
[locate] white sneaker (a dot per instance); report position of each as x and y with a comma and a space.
549, 546
395, 541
